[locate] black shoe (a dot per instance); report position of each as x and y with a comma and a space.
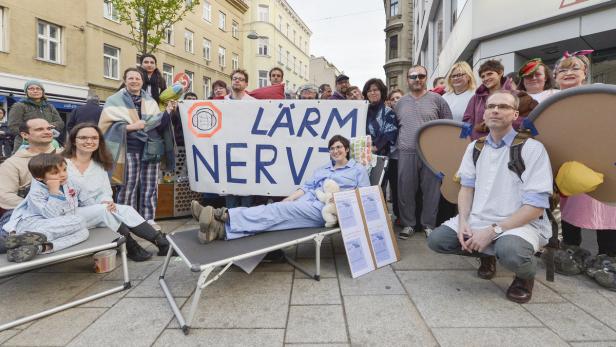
135, 252
163, 245
276, 256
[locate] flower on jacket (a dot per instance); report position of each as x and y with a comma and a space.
71, 192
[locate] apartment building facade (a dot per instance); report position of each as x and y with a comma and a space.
283, 40
398, 42
322, 71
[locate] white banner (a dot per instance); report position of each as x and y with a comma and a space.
262, 147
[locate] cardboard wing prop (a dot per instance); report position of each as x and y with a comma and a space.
578, 124
441, 145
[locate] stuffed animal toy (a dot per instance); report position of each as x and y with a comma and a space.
330, 215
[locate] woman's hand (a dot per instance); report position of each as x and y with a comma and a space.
111, 206
138, 125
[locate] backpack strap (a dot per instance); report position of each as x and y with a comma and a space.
477, 149
516, 163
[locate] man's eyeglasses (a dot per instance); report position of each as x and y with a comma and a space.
500, 107
335, 148
417, 76
241, 79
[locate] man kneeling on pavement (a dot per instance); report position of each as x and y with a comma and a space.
501, 215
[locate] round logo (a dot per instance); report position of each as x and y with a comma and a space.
204, 119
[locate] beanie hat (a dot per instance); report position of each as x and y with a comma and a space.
33, 83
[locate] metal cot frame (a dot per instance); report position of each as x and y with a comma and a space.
191, 253
100, 239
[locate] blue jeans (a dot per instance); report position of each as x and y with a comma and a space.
232, 201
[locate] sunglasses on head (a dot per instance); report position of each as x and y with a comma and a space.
417, 76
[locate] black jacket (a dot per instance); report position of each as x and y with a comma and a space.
90, 112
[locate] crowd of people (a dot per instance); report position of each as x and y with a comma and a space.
126, 142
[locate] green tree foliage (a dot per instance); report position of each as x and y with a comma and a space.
149, 19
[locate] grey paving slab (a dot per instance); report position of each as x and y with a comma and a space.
180, 280
461, 299
106, 301
328, 267
311, 292
54, 330
387, 320
239, 300
316, 324
7, 334
222, 337
307, 250
501, 337
541, 293
594, 344
596, 305
317, 345
570, 284
34, 292
500, 270
131, 322
381, 281
417, 256
137, 271
611, 296
570, 322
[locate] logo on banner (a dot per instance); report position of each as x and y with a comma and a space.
205, 119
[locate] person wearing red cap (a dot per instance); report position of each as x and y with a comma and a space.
536, 80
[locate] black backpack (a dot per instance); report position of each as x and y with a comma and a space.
516, 163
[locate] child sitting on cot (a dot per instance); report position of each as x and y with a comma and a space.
46, 220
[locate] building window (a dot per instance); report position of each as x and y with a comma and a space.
222, 20
263, 49
262, 78
207, 49
280, 55
393, 47
294, 64
222, 53
192, 78
306, 71
169, 36
393, 83
288, 28
301, 70
207, 11
189, 41
235, 61
235, 30
288, 60
49, 38
207, 87
294, 33
280, 23
109, 11
168, 74
2, 29
263, 13
111, 62
394, 8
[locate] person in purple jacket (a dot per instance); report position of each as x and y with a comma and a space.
342, 85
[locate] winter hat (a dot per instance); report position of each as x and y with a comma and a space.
33, 83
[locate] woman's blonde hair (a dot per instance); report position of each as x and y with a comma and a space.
466, 69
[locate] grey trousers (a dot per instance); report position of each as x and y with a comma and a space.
513, 252
413, 174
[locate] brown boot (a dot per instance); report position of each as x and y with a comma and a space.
487, 269
520, 290
216, 231
195, 209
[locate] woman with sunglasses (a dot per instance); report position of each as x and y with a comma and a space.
460, 89
88, 161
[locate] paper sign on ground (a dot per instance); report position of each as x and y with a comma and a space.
354, 233
380, 231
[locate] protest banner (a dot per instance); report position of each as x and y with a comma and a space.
262, 147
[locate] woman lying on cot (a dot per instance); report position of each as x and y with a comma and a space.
301, 209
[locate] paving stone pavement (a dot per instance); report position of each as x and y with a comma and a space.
426, 299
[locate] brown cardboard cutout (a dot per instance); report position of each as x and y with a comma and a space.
441, 148
580, 124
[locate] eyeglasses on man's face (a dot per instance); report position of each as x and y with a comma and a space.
417, 76
241, 79
505, 107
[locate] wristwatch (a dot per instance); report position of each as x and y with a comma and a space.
497, 229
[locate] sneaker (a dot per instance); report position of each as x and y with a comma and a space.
22, 253
154, 225
206, 217
25, 239
569, 260
195, 209
428, 231
603, 269
406, 232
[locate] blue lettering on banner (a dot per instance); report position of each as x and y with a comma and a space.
284, 113
231, 164
341, 122
255, 126
307, 123
297, 178
213, 171
260, 166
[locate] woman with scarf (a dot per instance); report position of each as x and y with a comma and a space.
153, 81
34, 105
382, 127
582, 211
132, 117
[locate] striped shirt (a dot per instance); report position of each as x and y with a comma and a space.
412, 113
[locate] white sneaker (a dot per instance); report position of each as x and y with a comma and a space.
406, 232
154, 225
428, 231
